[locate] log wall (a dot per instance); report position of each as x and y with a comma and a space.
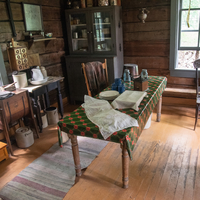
148, 44
145, 44
51, 53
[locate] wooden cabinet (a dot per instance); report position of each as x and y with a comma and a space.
13, 109
18, 58
94, 34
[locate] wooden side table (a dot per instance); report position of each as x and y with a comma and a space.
3, 151
14, 108
35, 91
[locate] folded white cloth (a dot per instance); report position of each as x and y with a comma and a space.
101, 113
37, 75
129, 99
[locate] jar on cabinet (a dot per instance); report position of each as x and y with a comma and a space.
83, 4
113, 2
103, 3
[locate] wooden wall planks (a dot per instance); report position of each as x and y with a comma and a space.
52, 52
148, 44
144, 44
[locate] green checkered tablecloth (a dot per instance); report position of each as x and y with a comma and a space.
77, 122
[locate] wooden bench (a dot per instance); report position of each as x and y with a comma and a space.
3, 151
179, 97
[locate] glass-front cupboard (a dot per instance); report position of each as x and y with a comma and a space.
94, 33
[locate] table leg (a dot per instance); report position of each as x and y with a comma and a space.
159, 106
47, 99
75, 152
32, 116
60, 102
125, 165
37, 113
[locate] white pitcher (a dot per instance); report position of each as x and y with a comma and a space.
37, 75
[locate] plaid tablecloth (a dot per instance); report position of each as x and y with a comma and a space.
77, 122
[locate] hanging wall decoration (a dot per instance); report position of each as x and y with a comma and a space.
143, 14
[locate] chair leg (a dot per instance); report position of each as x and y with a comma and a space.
196, 116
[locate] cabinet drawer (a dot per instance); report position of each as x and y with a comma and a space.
19, 62
20, 67
17, 51
25, 61
24, 55
26, 66
18, 56
23, 50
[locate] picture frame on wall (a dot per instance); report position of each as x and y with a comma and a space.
33, 17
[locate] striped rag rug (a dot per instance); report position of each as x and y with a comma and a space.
51, 175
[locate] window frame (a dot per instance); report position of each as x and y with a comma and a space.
175, 31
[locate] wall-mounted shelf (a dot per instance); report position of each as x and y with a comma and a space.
30, 42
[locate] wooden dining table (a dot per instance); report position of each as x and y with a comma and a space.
77, 124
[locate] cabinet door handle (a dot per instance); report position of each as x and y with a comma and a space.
88, 32
91, 32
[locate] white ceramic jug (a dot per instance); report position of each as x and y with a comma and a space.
37, 75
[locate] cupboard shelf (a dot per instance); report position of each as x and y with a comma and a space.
101, 23
106, 38
43, 39
30, 42
78, 25
79, 39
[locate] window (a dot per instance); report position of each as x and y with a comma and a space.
184, 40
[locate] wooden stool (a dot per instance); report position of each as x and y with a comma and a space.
3, 151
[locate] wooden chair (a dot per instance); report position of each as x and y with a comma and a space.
104, 65
197, 66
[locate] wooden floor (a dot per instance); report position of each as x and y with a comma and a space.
165, 165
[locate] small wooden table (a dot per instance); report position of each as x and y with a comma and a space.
3, 151
43, 89
77, 123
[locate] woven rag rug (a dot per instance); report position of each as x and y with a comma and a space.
51, 175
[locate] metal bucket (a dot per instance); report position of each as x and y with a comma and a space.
52, 115
44, 120
133, 68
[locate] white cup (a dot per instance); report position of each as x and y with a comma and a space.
20, 79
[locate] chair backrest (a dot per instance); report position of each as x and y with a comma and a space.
96, 76
197, 66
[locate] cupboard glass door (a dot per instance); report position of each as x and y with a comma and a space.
102, 32
79, 33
